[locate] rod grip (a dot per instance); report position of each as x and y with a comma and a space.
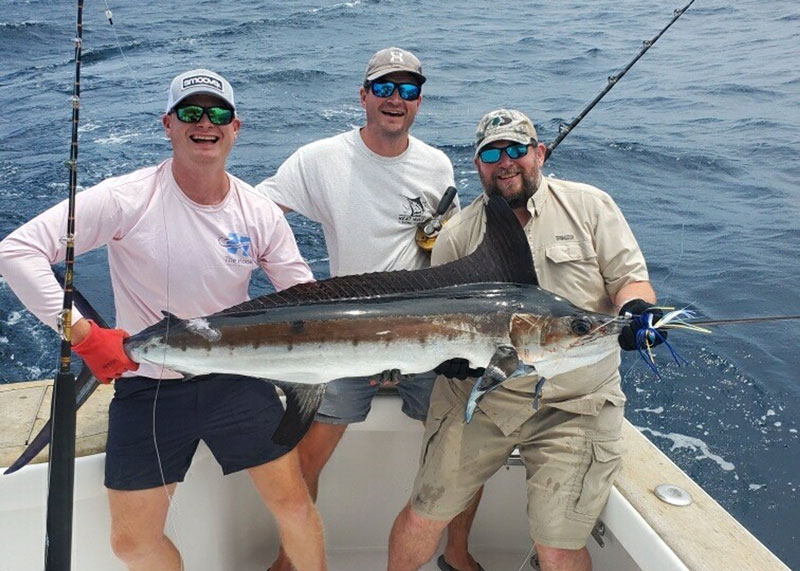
447, 199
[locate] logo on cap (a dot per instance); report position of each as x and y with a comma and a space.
202, 80
396, 56
501, 120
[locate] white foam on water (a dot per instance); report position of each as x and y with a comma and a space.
346, 112
754, 487
117, 139
691, 443
88, 127
657, 410
14, 317
35, 372
332, 7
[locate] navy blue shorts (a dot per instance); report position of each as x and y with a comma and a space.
235, 416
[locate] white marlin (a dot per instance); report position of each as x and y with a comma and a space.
312, 333
486, 307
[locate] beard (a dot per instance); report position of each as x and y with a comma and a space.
514, 198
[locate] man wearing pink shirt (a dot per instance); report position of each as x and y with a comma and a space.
182, 237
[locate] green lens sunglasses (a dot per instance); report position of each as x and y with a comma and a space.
194, 113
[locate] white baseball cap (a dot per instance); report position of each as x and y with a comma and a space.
199, 81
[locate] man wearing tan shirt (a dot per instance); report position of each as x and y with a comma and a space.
570, 442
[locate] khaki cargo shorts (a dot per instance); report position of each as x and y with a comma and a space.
570, 461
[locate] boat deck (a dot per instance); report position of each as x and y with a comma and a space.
220, 523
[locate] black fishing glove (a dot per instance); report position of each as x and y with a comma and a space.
457, 369
638, 309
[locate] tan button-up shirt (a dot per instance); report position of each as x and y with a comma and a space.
584, 251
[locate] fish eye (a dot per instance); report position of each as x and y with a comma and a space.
581, 325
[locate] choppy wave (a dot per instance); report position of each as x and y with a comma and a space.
26, 25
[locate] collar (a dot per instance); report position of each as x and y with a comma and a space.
539, 199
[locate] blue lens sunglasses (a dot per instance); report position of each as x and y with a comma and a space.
493, 154
407, 91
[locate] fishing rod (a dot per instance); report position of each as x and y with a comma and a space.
564, 129
426, 233
61, 471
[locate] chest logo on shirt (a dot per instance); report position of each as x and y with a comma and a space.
237, 248
413, 211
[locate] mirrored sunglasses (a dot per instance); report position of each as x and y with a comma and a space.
493, 154
407, 91
194, 113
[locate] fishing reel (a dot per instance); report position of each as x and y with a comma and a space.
428, 231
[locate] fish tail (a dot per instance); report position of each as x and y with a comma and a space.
85, 384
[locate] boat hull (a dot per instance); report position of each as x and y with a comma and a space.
219, 522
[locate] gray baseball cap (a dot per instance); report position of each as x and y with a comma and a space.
504, 125
389, 60
199, 81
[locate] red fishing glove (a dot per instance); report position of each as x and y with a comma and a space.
102, 352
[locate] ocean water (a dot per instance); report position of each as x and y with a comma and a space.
698, 144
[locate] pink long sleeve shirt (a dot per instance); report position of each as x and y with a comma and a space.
165, 252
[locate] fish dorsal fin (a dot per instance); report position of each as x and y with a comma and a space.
503, 256
171, 317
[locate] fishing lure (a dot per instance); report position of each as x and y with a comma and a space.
648, 334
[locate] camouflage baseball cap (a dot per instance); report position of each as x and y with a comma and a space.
504, 125
389, 60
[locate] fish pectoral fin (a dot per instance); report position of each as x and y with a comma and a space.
302, 402
504, 364
523, 370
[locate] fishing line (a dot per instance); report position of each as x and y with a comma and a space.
109, 17
172, 505
565, 129
527, 558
